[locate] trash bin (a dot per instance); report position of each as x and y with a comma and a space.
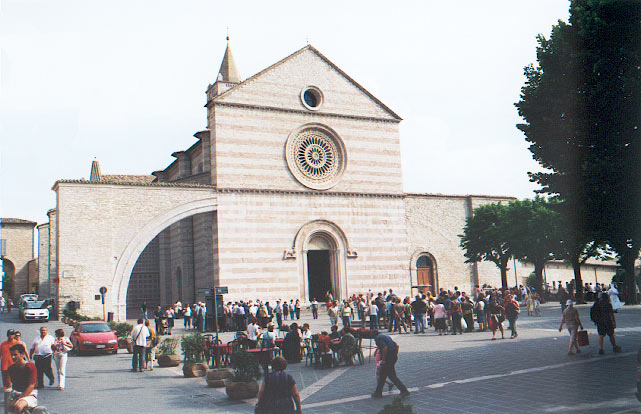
110, 316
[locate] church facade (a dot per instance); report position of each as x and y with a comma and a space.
293, 190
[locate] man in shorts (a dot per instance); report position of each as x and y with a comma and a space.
603, 316
24, 380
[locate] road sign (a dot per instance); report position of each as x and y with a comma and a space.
221, 290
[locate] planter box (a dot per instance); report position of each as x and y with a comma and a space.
198, 369
216, 377
168, 360
241, 390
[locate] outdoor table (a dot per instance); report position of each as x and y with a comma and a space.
221, 352
262, 354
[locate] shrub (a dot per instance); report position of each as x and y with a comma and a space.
168, 346
78, 317
245, 367
193, 347
397, 407
122, 329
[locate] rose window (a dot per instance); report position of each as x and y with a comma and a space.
315, 158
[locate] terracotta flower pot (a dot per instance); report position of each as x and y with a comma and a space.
216, 377
122, 343
168, 360
198, 369
241, 390
130, 346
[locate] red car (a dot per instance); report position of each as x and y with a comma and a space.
92, 336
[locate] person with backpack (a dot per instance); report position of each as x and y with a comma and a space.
456, 314
602, 315
512, 311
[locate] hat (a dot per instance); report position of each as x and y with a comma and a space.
569, 302
10, 332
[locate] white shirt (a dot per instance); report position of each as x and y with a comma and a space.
306, 335
373, 309
139, 334
252, 331
42, 346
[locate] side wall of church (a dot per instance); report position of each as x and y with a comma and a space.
255, 229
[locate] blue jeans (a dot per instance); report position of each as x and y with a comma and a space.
419, 321
347, 323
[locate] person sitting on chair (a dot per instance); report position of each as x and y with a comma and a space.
347, 346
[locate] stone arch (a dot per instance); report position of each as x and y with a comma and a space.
339, 253
413, 260
137, 244
9, 268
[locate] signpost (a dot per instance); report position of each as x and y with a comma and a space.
102, 291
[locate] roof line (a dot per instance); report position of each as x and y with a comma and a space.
323, 57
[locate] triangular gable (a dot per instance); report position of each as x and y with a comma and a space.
280, 84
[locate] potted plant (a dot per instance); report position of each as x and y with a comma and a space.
167, 353
243, 384
193, 347
122, 331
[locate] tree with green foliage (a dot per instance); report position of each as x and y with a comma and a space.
582, 110
484, 238
533, 233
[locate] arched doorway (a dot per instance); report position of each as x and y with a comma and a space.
319, 269
144, 284
8, 278
425, 274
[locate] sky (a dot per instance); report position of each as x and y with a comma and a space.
124, 82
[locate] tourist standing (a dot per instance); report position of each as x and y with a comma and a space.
3, 303
614, 298
389, 355
332, 312
468, 314
187, 316
373, 316
572, 320
61, 348
346, 313
297, 309
314, 306
158, 316
5, 356
419, 308
143, 309
456, 314
291, 344
278, 310
139, 336
292, 309
42, 354
170, 319
285, 310
439, 319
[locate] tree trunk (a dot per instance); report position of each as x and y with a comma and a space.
504, 275
538, 279
627, 260
578, 282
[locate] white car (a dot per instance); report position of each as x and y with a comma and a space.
34, 311
27, 297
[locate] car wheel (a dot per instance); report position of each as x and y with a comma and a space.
115, 351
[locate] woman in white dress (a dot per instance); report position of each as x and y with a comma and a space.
614, 298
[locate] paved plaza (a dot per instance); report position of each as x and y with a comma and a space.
454, 374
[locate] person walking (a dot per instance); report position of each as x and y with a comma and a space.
614, 298
42, 354
278, 393
373, 316
332, 312
468, 314
389, 355
346, 313
495, 317
143, 309
602, 315
60, 349
139, 336
572, 320
512, 311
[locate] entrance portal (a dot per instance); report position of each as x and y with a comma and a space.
319, 271
319, 274
425, 275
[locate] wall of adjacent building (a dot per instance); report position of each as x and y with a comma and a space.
19, 250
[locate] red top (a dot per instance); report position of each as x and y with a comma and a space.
23, 375
5, 355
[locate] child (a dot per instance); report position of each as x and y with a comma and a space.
151, 358
377, 358
537, 305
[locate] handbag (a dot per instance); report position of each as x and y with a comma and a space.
463, 324
582, 338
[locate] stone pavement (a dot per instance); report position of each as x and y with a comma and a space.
457, 374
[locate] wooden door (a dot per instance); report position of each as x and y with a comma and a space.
425, 276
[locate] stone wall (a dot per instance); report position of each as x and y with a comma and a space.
43, 260
19, 239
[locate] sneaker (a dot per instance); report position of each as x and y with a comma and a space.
601, 352
377, 395
617, 348
405, 393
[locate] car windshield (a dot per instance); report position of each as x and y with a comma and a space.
94, 327
36, 304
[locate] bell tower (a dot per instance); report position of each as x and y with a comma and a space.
228, 75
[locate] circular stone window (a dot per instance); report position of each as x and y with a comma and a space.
311, 98
315, 156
